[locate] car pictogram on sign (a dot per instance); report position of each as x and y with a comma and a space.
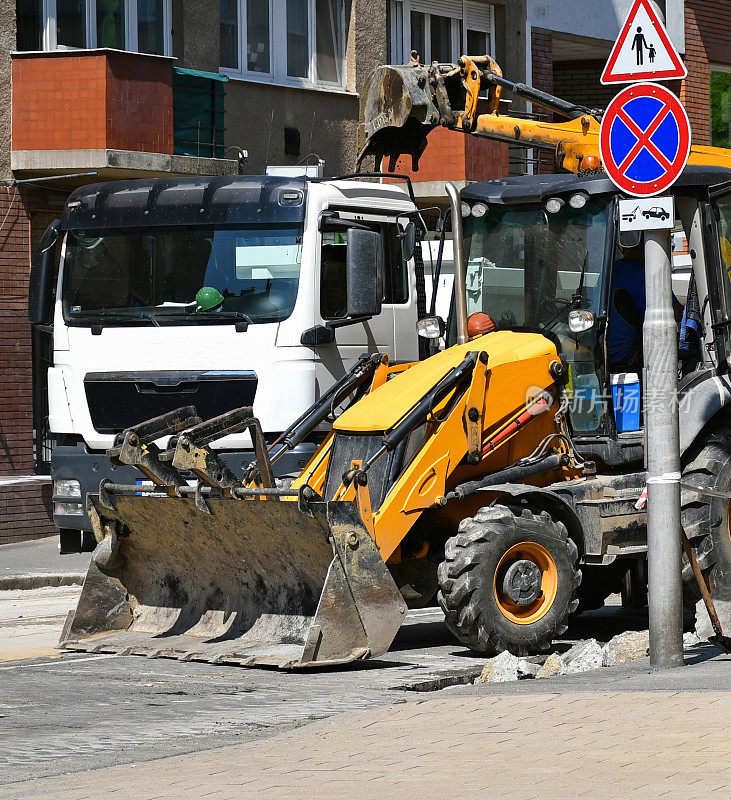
656, 212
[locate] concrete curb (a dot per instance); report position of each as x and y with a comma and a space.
40, 580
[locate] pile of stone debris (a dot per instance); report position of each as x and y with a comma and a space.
585, 655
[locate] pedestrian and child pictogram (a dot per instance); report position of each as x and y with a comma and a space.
644, 139
643, 51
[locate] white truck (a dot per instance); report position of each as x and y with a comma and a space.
131, 342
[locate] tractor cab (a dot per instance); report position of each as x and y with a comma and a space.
544, 254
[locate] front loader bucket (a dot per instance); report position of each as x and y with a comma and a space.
253, 582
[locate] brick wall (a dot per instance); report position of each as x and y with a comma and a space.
542, 59
578, 82
453, 156
25, 512
707, 39
92, 100
542, 78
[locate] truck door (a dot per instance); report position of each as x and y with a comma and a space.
718, 264
393, 330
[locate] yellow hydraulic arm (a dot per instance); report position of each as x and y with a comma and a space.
403, 103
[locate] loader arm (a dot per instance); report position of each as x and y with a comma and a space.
402, 104
442, 430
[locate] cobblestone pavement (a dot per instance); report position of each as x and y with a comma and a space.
543, 745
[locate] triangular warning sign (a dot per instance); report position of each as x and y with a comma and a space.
643, 50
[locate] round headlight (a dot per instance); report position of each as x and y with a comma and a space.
479, 210
578, 200
465, 209
580, 320
554, 205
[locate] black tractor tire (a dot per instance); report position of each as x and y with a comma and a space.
472, 570
706, 519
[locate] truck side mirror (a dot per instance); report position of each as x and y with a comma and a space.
364, 273
43, 267
408, 240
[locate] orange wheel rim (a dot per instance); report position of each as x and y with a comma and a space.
540, 558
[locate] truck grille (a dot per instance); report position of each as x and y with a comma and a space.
118, 400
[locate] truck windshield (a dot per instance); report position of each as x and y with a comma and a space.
525, 265
153, 275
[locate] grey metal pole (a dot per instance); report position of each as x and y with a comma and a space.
662, 438
460, 270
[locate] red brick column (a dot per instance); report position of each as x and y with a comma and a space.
542, 78
25, 511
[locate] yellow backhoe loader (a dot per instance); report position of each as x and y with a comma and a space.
496, 477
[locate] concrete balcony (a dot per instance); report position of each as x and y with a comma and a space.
106, 111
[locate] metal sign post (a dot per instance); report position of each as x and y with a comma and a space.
644, 144
662, 439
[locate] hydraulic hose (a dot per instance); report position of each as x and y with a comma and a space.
515, 474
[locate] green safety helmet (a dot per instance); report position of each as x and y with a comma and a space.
207, 298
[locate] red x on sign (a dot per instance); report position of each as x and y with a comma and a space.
644, 139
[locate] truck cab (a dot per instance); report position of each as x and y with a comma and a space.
133, 338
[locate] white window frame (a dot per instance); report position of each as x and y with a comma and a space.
50, 29
400, 26
278, 50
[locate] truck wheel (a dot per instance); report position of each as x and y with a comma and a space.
508, 581
706, 519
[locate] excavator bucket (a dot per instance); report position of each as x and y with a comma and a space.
255, 582
402, 103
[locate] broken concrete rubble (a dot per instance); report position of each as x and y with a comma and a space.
553, 665
585, 655
501, 669
625, 647
582, 657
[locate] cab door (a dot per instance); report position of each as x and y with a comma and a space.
378, 334
718, 265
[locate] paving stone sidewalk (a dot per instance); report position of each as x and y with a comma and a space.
606, 745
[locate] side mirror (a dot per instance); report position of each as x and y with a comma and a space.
364, 273
40, 290
408, 240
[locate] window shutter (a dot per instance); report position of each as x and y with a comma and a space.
443, 8
479, 14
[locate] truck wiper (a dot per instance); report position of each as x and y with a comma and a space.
234, 315
122, 316
146, 315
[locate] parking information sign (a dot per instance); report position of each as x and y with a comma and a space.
646, 214
644, 140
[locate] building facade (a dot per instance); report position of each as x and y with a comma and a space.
107, 89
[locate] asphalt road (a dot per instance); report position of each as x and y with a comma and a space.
64, 713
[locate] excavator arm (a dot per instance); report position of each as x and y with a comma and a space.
402, 104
